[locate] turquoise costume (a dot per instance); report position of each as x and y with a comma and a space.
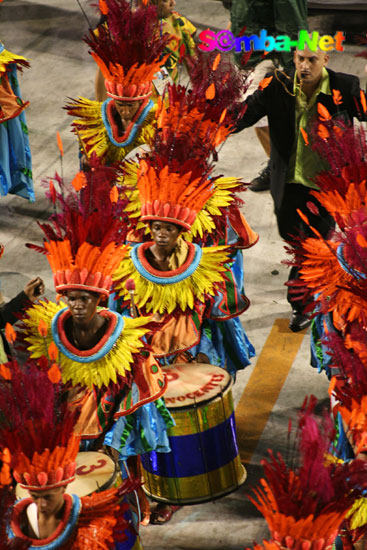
15, 153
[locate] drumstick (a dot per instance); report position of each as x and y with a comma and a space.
130, 287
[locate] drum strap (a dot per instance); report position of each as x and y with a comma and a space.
32, 516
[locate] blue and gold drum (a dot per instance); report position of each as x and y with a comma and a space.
204, 462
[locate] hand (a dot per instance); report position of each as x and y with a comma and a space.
84, 162
202, 358
34, 288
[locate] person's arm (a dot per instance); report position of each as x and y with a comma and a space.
256, 108
32, 290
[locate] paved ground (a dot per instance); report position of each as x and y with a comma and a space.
273, 387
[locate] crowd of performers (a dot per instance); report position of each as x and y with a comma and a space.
145, 246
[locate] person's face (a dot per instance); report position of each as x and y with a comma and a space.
165, 8
49, 502
309, 65
82, 305
127, 109
164, 234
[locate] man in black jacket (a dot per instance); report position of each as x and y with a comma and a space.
290, 101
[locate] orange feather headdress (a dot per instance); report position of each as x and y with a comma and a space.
128, 49
174, 179
305, 507
37, 428
84, 241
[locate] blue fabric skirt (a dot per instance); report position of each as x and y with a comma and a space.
143, 431
15, 153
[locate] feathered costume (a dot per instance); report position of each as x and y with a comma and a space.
15, 153
128, 50
334, 272
174, 184
83, 245
305, 507
37, 429
181, 46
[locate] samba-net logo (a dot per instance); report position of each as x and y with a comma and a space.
225, 41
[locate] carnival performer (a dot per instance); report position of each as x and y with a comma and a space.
15, 153
99, 351
38, 430
305, 506
333, 272
180, 158
128, 51
103, 356
176, 198
181, 46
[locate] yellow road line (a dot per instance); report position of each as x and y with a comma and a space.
264, 385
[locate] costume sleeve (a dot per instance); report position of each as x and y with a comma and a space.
16, 305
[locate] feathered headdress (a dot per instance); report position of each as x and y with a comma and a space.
334, 270
8, 58
349, 385
128, 49
174, 180
304, 508
37, 427
84, 241
217, 87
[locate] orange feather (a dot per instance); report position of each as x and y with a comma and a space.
323, 112
323, 131
42, 328
10, 333
264, 83
114, 194
53, 352
363, 101
54, 373
210, 91
216, 62
59, 143
79, 181
337, 97
305, 136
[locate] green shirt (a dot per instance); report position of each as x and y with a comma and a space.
304, 163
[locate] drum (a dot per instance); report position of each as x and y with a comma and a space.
97, 472
94, 472
204, 463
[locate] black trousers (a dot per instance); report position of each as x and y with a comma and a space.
290, 224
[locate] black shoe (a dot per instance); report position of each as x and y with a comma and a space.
299, 321
262, 181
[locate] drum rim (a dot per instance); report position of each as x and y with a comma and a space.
198, 405
198, 500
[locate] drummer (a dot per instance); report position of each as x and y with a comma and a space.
43, 450
174, 278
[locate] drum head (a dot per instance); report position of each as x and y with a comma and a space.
194, 383
94, 471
